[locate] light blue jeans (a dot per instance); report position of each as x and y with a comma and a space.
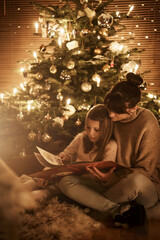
91, 193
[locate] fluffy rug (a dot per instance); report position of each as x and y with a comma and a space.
56, 219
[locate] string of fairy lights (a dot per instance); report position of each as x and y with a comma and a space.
64, 35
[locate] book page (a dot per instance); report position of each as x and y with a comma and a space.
42, 161
49, 157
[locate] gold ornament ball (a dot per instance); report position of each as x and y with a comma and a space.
86, 87
53, 69
97, 51
39, 76
32, 136
71, 64
46, 137
106, 67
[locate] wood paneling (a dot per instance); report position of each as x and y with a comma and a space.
17, 28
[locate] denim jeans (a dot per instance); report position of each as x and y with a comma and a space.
93, 194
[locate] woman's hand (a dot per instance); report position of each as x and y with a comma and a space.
104, 177
64, 157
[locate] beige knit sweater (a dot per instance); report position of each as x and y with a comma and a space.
138, 140
75, 151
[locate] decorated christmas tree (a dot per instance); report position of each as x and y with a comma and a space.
67, 76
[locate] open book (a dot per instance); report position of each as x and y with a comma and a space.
80, 168
47, 159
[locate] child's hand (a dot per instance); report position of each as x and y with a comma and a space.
64, 157
104, 177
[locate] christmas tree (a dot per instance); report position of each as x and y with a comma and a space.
67, 76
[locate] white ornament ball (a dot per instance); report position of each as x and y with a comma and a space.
105, 20
71, 64
86, 87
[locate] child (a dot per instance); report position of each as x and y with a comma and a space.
94, 144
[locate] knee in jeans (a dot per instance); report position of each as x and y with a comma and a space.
138, 180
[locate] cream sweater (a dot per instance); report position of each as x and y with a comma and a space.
138, 140
75, 151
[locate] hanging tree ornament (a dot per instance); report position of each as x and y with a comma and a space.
20, 116
46, 137
59, 96
78, 122
32, 136
70, 64
97, 51
39, 76
105, 20
53, 69
106, 67
86, 87
104, 32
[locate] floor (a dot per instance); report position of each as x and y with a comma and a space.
149, 232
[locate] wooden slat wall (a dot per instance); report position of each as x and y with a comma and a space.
17, 18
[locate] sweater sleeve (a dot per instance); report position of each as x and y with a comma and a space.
110, 151
149, 149
72, 149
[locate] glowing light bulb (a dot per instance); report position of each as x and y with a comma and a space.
14, 91
130, 10
2, 96
68, 101
36, 27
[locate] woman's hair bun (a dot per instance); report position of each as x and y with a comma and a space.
134, 79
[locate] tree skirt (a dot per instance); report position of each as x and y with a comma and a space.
58, 220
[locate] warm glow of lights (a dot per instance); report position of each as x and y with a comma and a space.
138, 44
29, 105
146, 37
59, 42
61, 30
150, 95
35, 55
98, 82
36, 27
22, 86
117, 13
22, 70
2, 96
68, 101
121, 47
130, 10
14, 91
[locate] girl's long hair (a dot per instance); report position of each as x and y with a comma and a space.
99, 113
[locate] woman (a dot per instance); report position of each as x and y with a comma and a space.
137, 134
